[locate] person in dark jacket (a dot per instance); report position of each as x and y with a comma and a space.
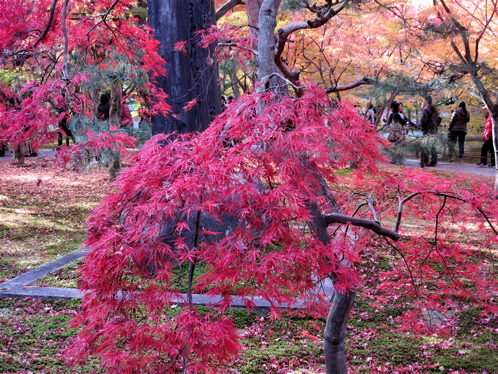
63, 128
104, 107
458, 129
428, 123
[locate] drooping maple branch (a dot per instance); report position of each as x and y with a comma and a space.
441, 194
49, 24
359, 82
225, 8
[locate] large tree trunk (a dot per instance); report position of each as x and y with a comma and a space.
190, 76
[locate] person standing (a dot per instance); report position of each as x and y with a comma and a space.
63, 128
397, 124
428, 123
487, 146
458, 130
104, 107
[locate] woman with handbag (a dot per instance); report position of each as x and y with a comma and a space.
458, 130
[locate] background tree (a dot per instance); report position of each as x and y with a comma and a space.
464, 32
61, 56
192, 72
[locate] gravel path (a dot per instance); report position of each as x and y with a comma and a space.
458, 167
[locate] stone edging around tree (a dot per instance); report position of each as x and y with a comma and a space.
19, 287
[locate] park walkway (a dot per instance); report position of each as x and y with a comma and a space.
457, 167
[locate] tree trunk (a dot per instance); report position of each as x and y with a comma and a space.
267, 47
19, 154
335, 332
190, 76
337, 320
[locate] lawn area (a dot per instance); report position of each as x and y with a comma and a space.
42, 214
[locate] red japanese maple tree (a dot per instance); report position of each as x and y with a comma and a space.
58, 56
272, 165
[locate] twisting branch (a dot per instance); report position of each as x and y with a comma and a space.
49, 24
266, 80
441, 194
104, 17
361, 222
324, 14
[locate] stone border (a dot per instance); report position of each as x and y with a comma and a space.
18, 287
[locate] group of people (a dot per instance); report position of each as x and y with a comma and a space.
398, 124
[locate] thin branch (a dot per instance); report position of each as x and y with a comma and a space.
325, 15
104, 17
410, 272
65, 71
235, 45
441, 194
359, 82
225, 8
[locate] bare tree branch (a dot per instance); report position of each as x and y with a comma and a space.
325, 13
441, 194
359, 82
361, 222
104, 17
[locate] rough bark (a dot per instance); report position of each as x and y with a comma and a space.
267, 23
190, 76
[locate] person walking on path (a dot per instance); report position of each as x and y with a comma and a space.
458, 130
429, 122
487, 146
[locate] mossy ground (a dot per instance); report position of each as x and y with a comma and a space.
40, 224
